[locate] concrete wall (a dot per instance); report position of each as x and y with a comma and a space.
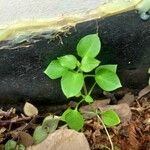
14, 10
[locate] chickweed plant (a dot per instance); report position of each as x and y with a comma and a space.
72, 73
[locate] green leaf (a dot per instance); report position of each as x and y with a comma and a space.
112, 68
149, 70
39, 134
10, 145
110, 118
50, 123
64, 114
88, 99
21, 147
55, 70
72, 83
89, 46
78, 95
89, 63
68, 61
107, 80
74, 120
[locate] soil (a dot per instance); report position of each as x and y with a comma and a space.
134, 135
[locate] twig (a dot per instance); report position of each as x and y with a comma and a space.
111, 143
7, 122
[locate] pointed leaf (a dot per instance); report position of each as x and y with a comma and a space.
112, 68
110, 118
39, 134
50, 123
25, 138
74, 120
55, 70
89, 46
88, 99
89, 63
72, 83
68, 61
107, 80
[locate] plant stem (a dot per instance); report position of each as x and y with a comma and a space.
91, 89
89, 75
111, 143
85, 89
79, 104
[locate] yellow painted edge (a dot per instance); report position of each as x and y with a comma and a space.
58, 24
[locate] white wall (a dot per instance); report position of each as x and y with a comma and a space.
14, 10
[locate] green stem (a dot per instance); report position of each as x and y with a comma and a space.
91, 89
79, 104
85, 89
89, 75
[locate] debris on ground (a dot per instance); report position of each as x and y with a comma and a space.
132, 134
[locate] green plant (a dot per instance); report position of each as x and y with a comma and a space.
73, 73
13, 145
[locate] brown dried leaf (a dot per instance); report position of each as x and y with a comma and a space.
26, 139
128, 99
30, 110
132, 136
144, 92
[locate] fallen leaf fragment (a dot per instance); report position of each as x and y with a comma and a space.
63, 139
144, 92
30, 110
25, 138
128, 99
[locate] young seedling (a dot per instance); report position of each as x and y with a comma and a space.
72, 73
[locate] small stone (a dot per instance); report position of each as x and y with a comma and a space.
63, 139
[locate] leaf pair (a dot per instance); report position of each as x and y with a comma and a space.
49, 125
71, 82
88, 48
57, 68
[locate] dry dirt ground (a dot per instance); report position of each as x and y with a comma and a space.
134, 134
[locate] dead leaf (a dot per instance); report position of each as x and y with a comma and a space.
30, 110
25, 139
51, 123
132, 135
128, 99
144, 92
147, 121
